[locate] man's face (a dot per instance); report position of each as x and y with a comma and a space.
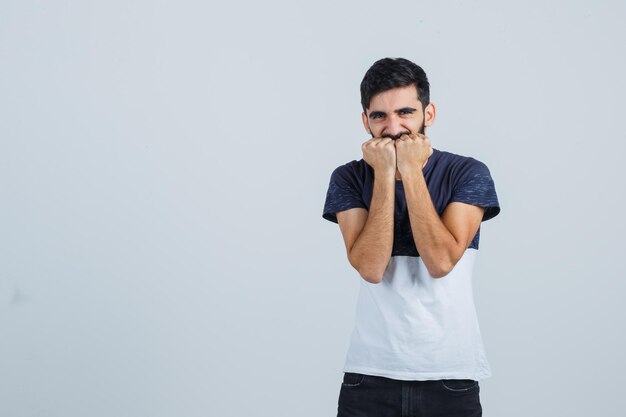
396, 112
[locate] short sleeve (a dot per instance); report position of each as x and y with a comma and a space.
344, 192
475, 186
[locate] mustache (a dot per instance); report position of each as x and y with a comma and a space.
398, 136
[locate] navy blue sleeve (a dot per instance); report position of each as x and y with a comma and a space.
475, 186
344, 192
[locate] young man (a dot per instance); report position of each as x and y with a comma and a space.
410, 218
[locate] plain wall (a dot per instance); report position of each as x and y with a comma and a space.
163, 169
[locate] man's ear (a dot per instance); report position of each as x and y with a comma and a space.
365, 124
429, 114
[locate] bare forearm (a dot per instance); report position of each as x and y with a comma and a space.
433, 240
371, 252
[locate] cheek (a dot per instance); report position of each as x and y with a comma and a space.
413, 124
375, 129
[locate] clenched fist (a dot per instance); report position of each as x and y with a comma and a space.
380, 154
412, 152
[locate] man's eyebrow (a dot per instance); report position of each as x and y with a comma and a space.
378, 112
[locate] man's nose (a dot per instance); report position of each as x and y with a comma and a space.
394, 127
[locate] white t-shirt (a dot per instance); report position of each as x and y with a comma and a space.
411, 326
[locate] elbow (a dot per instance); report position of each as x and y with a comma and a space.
441, 270
368, 272
438, 274
371, 277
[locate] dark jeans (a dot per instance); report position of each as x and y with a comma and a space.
376, 396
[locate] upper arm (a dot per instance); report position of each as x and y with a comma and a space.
463, 221
473, 200
345, 192
351, 223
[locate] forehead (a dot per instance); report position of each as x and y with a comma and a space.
395, 97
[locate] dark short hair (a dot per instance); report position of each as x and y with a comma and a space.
388, 73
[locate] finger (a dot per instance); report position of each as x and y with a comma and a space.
374, 141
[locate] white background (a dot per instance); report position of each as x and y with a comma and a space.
163, 169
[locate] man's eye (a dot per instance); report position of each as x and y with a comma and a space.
406, 112
375, 116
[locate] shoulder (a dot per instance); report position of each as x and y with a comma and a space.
344, 171
460, 160
462, 166
471, 183
353, 171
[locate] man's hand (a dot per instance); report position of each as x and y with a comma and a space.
412, 151
380, 154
